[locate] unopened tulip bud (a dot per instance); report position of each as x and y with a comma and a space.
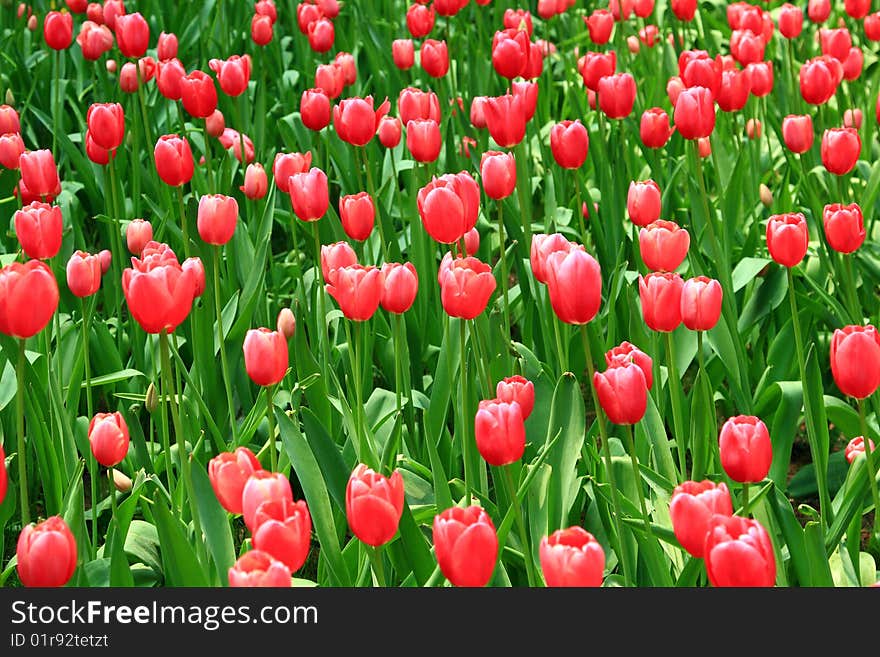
121, 482
151, 400
286, 323
766, 195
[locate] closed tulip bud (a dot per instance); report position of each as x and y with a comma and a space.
572, 557
506, 119
215, 124
701, 303
260, 487
693, 505
321, 35
423, 140
434, 58
106, 259
314, 109
137, 234
852, 118
766, 195
198, 93
28, 298
128, 78
287, 164
132, 35
258, 569
449, 206
695, 113
95, 152
498, 172
151, 399
58, 30
256, 183
736, 85
197, 269
335, 256
819, 78
593, 66
121, 481
420, 20
627, 352
106, 123
174, 160
356, 121
517, 389
660, 294
466, 284
528, 91
108, 438
852, 65
94, 40
574, 282
228, 473
389, 131
83, 274
357, 289
401, 283
791, 21
39, 227
518, 19
855, 360
170, 79
466, 545
235, 140
835, 42
541, 249
261, 29
663, 245
787, 238
11, 148
617, 93
746, 450
373, 505
46, 554
674, 87
654, 128
357, 213
265, 356
622, 391
600, 23
797, 132
569, 143
403, 53
872, 26
306, 14
844, 227
166, 48
500, 432
854, 449
309, 195
738, 553
643, 202
840, 150
9, 121
39, 174
472, 242
283, 530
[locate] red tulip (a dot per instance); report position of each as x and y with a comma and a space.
423, 140
159, 291
844, 227
510, 52
465, 287
574, 282
420, 20
403, 53
617, 93
466, 545
835, 42
321, 35
541, 248
660, 294
701, 303
260, 487
265, 356
217, 217
39, 174
309, 195
46, 554
736, 85
663, 245
449, 7
228, 472
137, 234
38, 227
261, 29
449, 206
840, 150
697, 69
198, 93
132, 34
283, 529
401, 283
738, 552
94, 40
335, 256
174, 160
257, 568
695, 113
28, 298
472, 242
414, 104
506, 119
797, 132
627, 352
761, 77
569, 143
373, 505
500, 432
787, 238
329, 78
854, 448
518, 19
9, 121
83, 274
572, 557
215, 124
498, 171
58, 30
11, 148
108, 438
593, 66
691, 509
600, 23
654, 128
166, 47
434, 58
643, 202
684, 10
169, 79
517, 389
746, 450
111, 11
855, 360
791, 21
233, 139
872, 26
622, 391
356, 121
389, 131
357, 214
746, 47
286, 323
819, 78
357, 289
256, 184
287, 164
233, 74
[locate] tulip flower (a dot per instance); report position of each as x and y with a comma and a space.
314, 109
819, 78
542, 247
654, 128
198, 93
132, 34
569, 143
572, 557
593, 66
357, 213
159, 291
622, 391
660, 294
600, 23
663, 245
94, 40
617, 93
643, 202
217, 217
169, 79
414, 104
11, 148
106, 123
263, 486
787, 238
574, 283
465, 287
449, 206
174, 160
46, 554
854, 449
797, 132
58, 30
738, 552
389, 131
373, 505
791, 21
466, 545
335, 256
518, 19
286, 323
108, 437
39, 174
233, 74
9, 121
321, 35
500, 432
38, 227
701, 303
138, 234
855, 360
287, 164
400, 286
697, 69
498, 172
420, 20
83, 274
517, 389
283, 530
257, 568
28, 298
692, 507
403, 53
356, 121
166, 46
746, 450
510, 52
265, 356
228, 473
261, 29
736, 85
357, 289
844, 226
840, 150
506, 119
434, 58
423, 140
627, 352
256, 184
309, 195
695, 113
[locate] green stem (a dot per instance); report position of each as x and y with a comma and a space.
674, 384
745, 499
638, 479
56, 110
322, 314
208, 163
270, 416
224, 364
622, 547
855, 307
872, 474
93, 469
117, 244
521, 526
505, 279
22, 454
183, 223
522, 182
465, 434
372, 190
378, 565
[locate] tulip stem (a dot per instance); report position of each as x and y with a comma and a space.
674, 383
376, 203
523, 181
698, 452
116, 259
622, 548
270, 416
821, 475
210, 166
745, 499
378, 565
872, 475
183, 226
224, 364
22, 456
521, 526
322, 314
855, 306
465, 438
363, 447
638, 479
505, 282
93, 470
56, 74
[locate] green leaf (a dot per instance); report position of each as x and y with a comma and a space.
567, 416
215, 523
181, 565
